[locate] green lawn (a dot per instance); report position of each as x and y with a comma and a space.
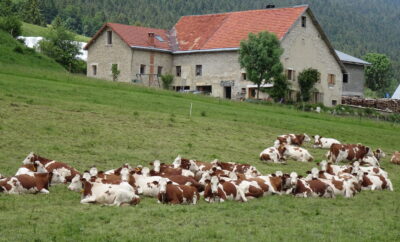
84, 121
35, 30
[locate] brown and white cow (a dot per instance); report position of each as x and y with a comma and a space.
374, 182
350, 152
61, 168
292, 139
297, 153
219, 190
324, 143
312, 188
273, 154
163, 169
332, 169
395, 158
176, 194
246, 169
375, 159
109, 194
38, 183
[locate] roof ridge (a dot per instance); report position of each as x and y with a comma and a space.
249, 10
135, 26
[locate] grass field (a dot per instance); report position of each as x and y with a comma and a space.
32, 30
83, 122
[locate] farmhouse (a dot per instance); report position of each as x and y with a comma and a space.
202, 53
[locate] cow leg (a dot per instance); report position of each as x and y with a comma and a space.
91, 199
390, 185
44, 190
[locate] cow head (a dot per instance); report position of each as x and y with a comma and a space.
293, 179
29, 159
324, 165
93, 171
193, 166
317, 142
214, 182
145, 171
40, 167
162, 184
76, 184
306, 138
177, 162
157, 166
204, 177
379, 154
57, 178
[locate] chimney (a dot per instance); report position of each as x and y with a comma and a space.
270, 6
151, 39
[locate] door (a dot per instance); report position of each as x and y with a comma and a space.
228, 92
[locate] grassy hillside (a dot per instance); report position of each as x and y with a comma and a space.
84, 122
35, 30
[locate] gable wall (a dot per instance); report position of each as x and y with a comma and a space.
304, 48
104, 55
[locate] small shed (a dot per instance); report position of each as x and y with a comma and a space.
354, 78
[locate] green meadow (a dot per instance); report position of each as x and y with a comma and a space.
86, 122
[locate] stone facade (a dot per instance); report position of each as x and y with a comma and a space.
220, 71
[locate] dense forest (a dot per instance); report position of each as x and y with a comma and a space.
356, 27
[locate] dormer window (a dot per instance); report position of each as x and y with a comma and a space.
109, 37
303, 21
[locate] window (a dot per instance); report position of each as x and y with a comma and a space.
159, 71
334, 102
178, 71
142, 69
303, 21
331, 79
199, 70
244, 77
345, 77
109, 37
94, 70
291, 74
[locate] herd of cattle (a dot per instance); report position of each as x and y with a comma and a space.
183, 181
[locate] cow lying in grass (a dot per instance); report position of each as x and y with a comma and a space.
349, 152
109, 194
176, 194
22, 184
276, 155
395, 158
292, 139
324, 143
53, 166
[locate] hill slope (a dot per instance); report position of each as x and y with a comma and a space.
84, 122
32, 30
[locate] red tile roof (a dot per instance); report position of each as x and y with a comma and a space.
135, 35
213, 31
228, 29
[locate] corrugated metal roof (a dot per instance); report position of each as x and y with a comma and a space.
396, 94
350, 59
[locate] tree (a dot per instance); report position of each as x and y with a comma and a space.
115, 72
59, 44
260, 57
307, 79
280, 88
32, 13
378, 75
167, 80
9, 21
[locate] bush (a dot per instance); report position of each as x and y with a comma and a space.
167, 80
11, 25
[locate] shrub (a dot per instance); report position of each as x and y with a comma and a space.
167, 80
307, 79
12, 25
